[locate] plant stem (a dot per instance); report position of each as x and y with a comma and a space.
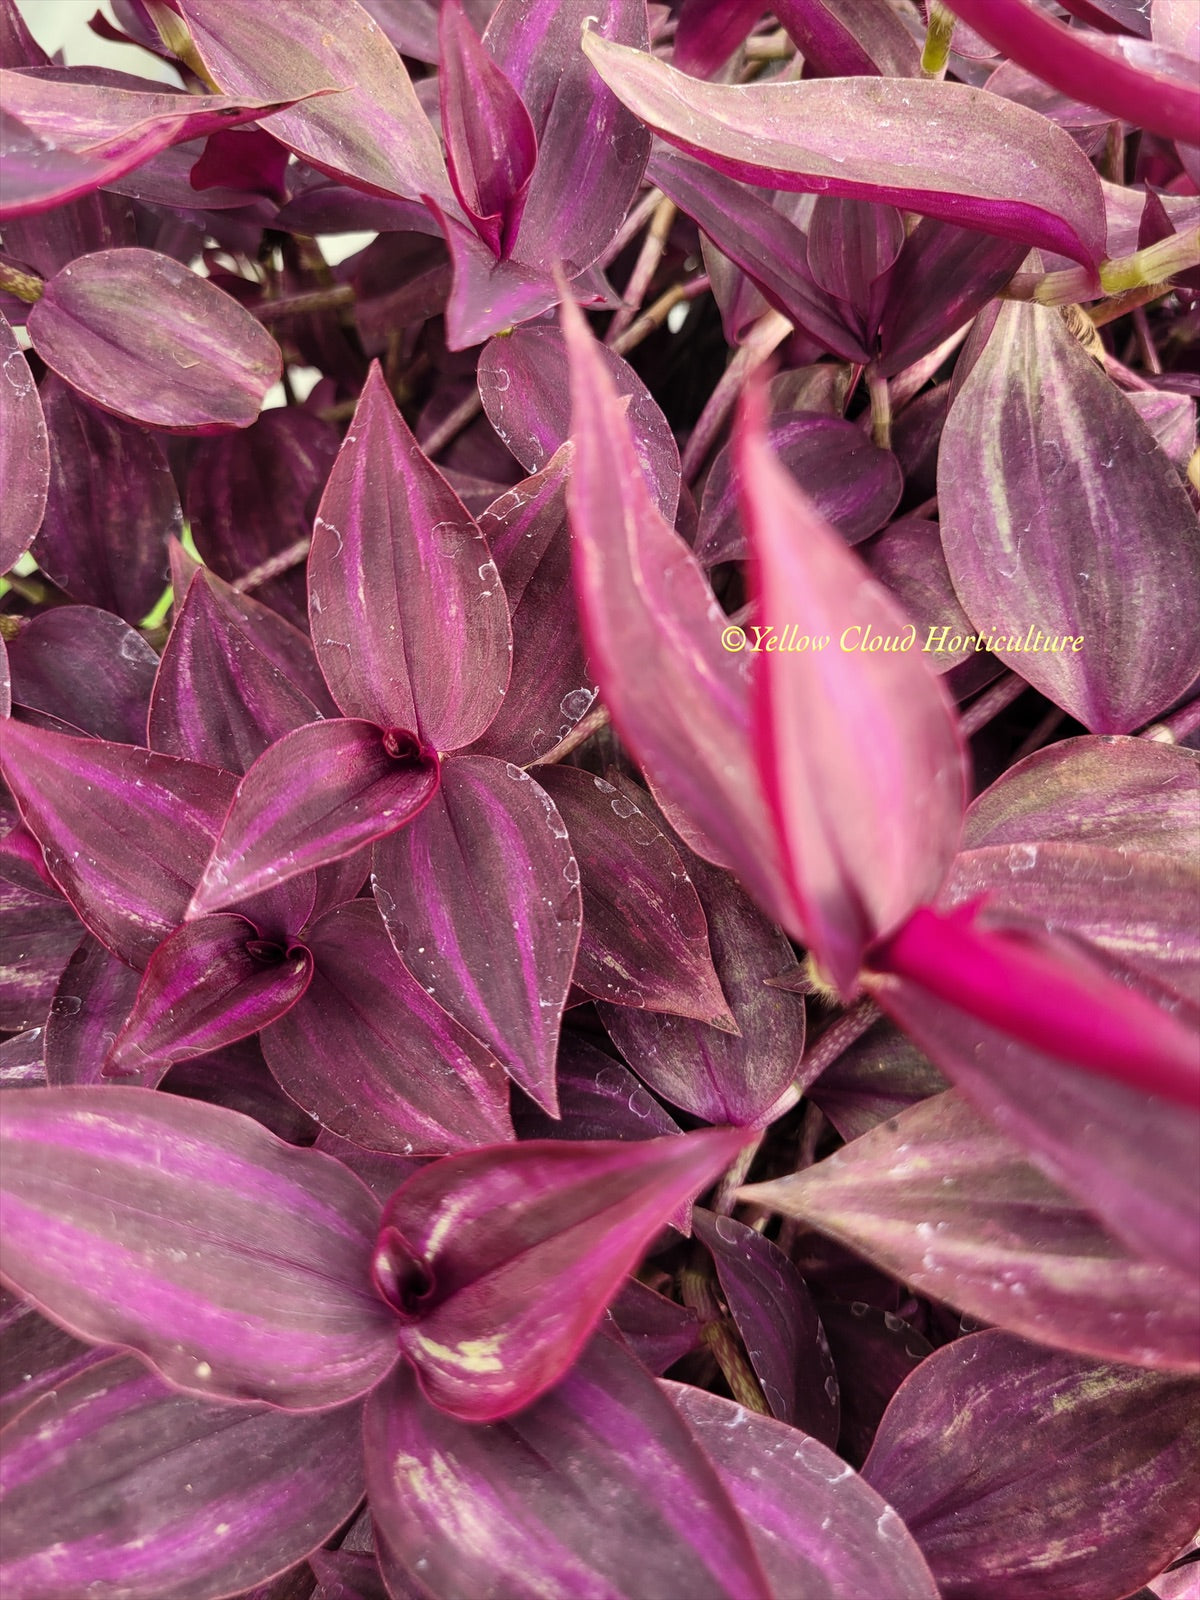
720, 1338
659, 312
1176, 727
298, 305
579, 734
452, 425
938, 34
841, 1033
767, 334
644, 268
25, 286
881, 408
991, 703
274, 566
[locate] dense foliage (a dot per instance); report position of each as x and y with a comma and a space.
582, 1020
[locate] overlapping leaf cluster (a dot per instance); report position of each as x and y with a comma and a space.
527, 912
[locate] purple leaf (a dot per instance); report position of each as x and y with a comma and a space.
852, 483
111, 508
765, 243
236, 1264
945, 1201
868, 805
500, 1262
21, 1065
373, 134
95, 995
851, 245
491, 147
252, 494
709, 31
550, 689
36, 1356
125, 832
38, 175
487, 296
481, 900
408, 612
598, 1098
941, 149
217, 697
87, 669
38, 931
1070, 524
314, 796
1024, 1473
880, 1075
347, 1575
873, 1352
597, 1489
524, 383
374, 1058
1131, 1157
657, 1330
713, 1074
645, 938
237, 1077
591, 151
208, 984
115, 1482
201, 364
653, 631
812, 1520
24, 452
844, 38
778, 1323
1147, 84
112, 121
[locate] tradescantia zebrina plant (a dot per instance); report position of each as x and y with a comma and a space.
600, 967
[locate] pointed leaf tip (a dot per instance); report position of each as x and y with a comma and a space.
501, 1262
856, 741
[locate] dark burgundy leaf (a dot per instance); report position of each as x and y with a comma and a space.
94, 997
480, 896
598, 1098
659, 1331
217, 697
873, 1352
35, 1356
125, 832
374, 1058
86, 668
24, 452
409, 617
38, 932
778, 1324
316, 795
111, 508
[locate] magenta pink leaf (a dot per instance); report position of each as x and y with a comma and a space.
778, 1323
374, 1058
24, 452
217, 697
39, 176
125, 832
868, 804
208, 984
481, 899
374, 133
1024, 1473
409, 617
846, 38
111, 491
645, 938
942, 1199
654, 634
1147, 84
213, 1498
201, 364
709, 31
812, 1519
87, 669
501, 1262
315, 796
596, 1489
941, 149
1075, 590
490, 143
235, 1263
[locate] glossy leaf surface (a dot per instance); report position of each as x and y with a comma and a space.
201, 364
87, 669
270, 1296
502, 1261
24, 452
1091, 1470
